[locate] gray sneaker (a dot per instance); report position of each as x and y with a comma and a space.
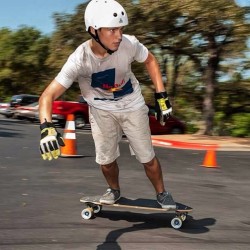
110, 196
166, 200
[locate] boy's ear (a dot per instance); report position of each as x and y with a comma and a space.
92, 30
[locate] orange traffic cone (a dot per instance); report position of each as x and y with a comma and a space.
210, 159
69, 137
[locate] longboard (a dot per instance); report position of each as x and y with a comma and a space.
94, 206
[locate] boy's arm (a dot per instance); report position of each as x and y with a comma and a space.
51, 93
163, 106
153, 69
51, 139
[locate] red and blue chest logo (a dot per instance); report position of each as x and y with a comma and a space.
105, 80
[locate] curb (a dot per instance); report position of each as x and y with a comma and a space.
198, 146
183, 145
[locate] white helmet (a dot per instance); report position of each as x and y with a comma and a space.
105, 14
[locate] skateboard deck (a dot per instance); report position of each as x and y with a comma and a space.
94, 206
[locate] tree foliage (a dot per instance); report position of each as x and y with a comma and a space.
22, 60
206, 34
201, 47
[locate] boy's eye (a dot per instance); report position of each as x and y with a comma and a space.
115, 29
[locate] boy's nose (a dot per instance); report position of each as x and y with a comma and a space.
119, 34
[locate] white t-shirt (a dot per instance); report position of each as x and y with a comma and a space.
107, 83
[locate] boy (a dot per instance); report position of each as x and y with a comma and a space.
102, 67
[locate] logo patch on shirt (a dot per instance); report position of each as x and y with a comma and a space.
105, 80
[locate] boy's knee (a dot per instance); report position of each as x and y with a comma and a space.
150, 163
109, 166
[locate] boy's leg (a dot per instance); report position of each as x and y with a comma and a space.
154, 173
136, 127
107, 133
111, 174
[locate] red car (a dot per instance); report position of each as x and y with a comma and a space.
61, 109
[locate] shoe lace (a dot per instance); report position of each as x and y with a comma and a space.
109, 191
164, 196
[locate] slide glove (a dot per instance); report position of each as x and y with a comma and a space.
50, 142
163, 107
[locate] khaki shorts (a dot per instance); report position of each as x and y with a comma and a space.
107, 130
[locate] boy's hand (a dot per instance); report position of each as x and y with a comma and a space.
50, 142
163, 107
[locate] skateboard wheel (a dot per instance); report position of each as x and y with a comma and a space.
87, 213
97, 209
176, 223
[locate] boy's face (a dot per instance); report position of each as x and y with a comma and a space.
111, 37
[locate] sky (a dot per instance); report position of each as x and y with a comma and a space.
38, 13
34, 13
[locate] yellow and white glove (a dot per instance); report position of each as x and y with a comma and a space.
50, 142
163, 107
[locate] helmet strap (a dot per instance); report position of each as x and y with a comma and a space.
97, 39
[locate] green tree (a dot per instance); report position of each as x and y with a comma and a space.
70, 33
206, 33
201, 47
5, 60
22, 59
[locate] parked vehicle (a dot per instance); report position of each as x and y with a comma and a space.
23, 100
80, 110
28, 112
20, 100
172, 125
4, 108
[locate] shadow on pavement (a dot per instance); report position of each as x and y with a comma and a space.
10, 133
149, 222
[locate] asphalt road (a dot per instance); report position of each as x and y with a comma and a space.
40, 208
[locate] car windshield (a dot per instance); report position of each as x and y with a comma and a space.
16, 98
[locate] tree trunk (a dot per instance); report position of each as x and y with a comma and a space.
210, 81
208, 106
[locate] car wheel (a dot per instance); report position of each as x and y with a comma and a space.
79, 121
9, 116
